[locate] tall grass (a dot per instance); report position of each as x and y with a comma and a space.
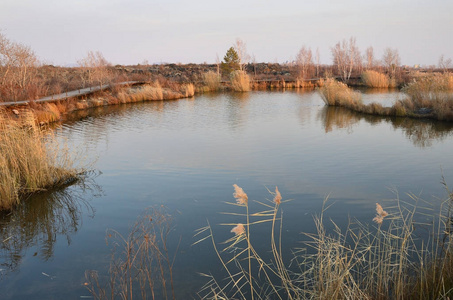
240, 81
433, 93
375, 79
335, 93
384, 261
30, 161
212, 81
429, 97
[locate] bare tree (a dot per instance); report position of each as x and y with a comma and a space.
18, 68
304, 62
241, 48
96, 68
318, 59
445, 63
369, 58
391, 61
345, 57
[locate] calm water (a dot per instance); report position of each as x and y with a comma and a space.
187, 154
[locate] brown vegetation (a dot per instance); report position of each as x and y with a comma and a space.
240, 81
375, 79
30, 161
428, 97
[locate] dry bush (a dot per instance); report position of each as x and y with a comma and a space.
375, 79
30, 161
212, 80
240, 81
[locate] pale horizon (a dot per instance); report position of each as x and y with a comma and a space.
129, 33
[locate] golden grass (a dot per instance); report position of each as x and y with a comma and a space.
335, 93
212, 81
384, 261
375, 79
188, 90
30, 161
428, 97
240, 81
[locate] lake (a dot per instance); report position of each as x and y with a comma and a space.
186, 155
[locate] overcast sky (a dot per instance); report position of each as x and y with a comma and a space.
61, 32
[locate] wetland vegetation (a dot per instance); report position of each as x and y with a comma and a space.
405, 254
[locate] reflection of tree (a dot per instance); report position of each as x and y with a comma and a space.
423, 132
39, 221
420, 132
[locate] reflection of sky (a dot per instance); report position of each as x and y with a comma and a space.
128, 32
266, 136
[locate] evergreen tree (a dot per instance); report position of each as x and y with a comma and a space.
231, 61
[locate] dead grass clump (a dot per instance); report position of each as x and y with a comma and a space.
212, 80
188, 90
433, 93
375, 79
30, 161
240, 81
336, 93
399, 109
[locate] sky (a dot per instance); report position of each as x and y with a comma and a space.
61, 32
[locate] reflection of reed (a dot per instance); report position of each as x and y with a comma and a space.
334, 117
420, 132
40, 220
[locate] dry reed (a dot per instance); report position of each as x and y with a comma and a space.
212, 81
30, 161
359, 262
375, 79
240, 81
335, 93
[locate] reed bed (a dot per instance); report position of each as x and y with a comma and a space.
383, 261
30, 161
428, 97
375, 79
335, 93
240, 81
211, 81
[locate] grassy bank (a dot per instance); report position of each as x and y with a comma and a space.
387, 260
30, 161
428, 97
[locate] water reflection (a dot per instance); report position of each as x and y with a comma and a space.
40, 220
422, 133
